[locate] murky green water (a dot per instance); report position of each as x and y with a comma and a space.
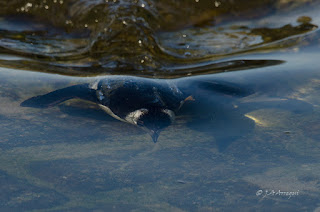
229, 150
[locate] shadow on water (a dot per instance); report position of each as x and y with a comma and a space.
230, 96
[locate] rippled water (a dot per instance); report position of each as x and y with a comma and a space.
144, 37
250, 135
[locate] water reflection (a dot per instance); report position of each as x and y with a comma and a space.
245, 71
152, 38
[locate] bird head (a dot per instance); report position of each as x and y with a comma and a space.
152, 120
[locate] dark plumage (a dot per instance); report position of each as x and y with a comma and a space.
152, 104
148, 104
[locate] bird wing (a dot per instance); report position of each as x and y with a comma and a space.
53, 98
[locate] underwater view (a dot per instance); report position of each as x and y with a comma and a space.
146, 105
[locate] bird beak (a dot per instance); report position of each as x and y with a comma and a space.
154, 136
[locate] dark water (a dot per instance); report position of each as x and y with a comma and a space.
249, 141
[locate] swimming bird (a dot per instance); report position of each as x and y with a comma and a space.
215, 106
146, 103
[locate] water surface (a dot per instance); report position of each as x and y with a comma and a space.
227, 150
